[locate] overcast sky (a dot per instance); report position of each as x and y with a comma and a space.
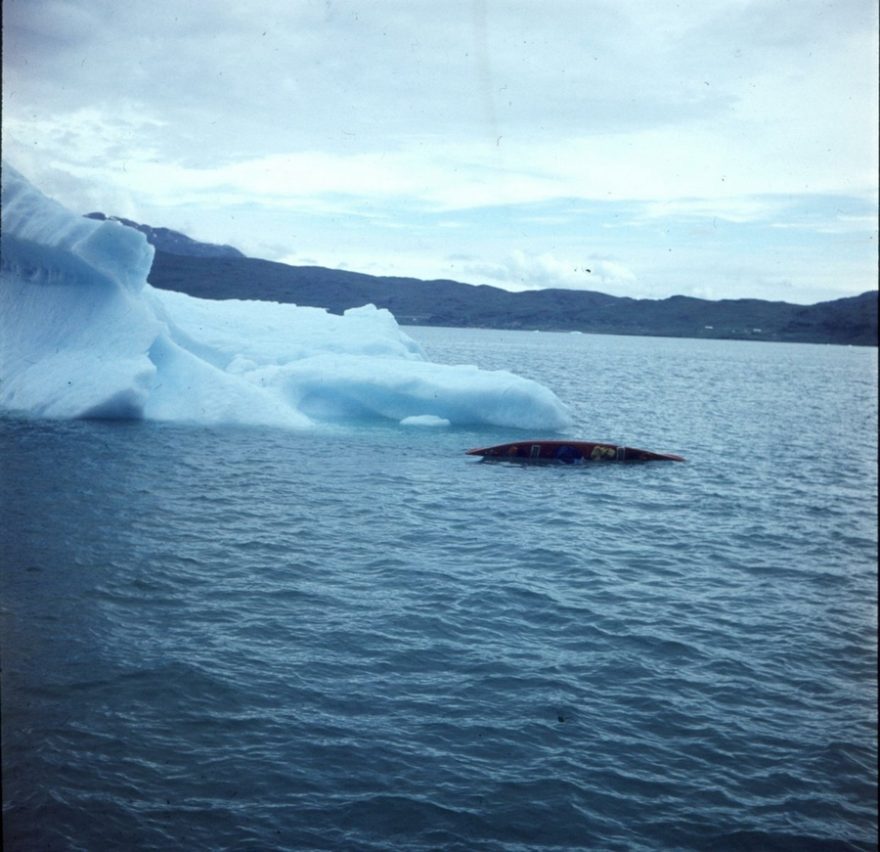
719, 149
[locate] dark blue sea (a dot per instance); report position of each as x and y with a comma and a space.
360, 638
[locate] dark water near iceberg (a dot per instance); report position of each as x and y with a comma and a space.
360, 638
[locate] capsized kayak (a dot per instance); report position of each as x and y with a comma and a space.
567, 452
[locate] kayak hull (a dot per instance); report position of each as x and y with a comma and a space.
567, 452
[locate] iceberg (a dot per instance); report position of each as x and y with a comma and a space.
83, 334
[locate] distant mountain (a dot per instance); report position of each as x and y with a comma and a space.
451, 303
222, 272
173, 242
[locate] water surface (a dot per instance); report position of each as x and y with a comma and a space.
360, 638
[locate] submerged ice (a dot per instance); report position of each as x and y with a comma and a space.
82, 334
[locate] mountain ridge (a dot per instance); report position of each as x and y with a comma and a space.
851, 320
173, 242
211, 272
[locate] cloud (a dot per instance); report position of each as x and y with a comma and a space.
479, 105
418, 133
521, 270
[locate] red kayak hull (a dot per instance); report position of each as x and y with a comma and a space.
568, 452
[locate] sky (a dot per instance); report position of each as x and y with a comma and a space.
720, 149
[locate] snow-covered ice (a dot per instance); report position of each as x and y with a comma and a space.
82, 334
